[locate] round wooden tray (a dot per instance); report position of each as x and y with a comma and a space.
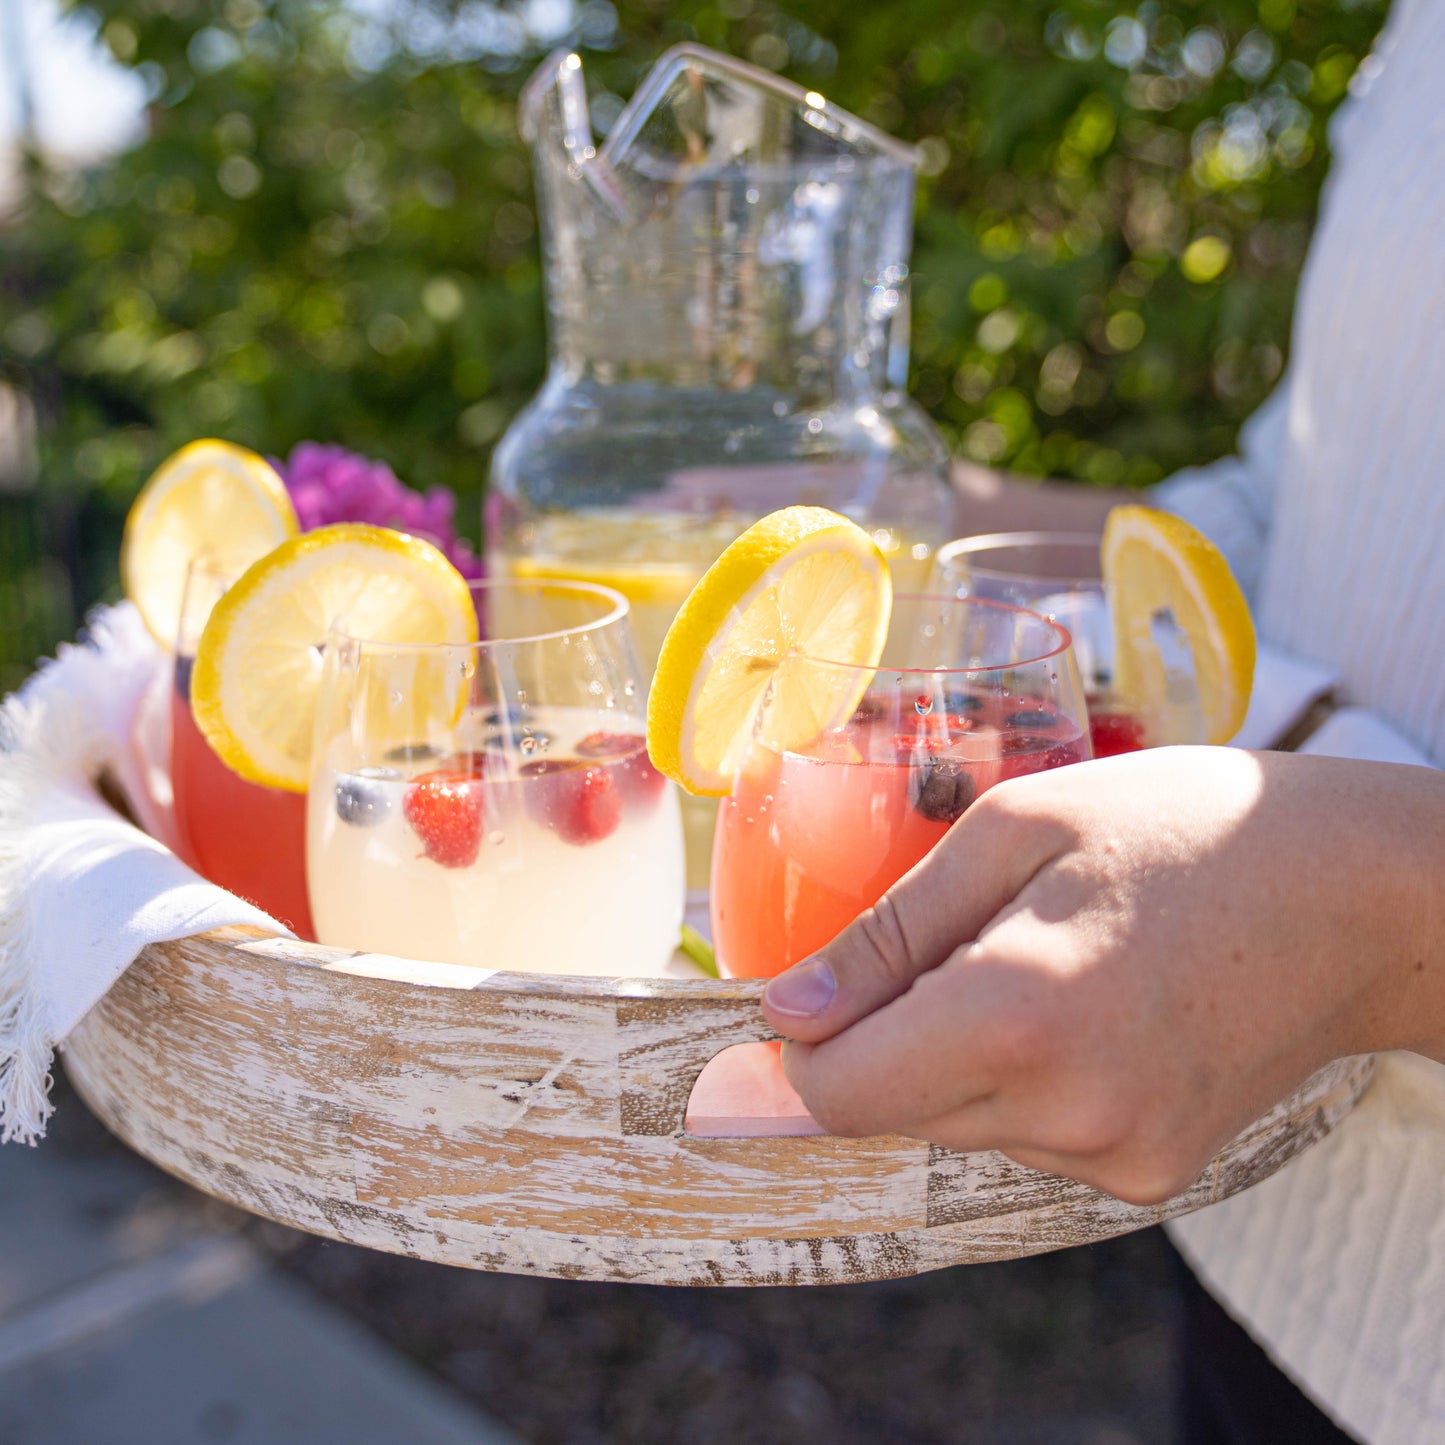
537, 1124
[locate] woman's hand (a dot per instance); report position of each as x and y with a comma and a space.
1108, 970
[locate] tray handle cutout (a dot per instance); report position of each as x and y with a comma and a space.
666, 1042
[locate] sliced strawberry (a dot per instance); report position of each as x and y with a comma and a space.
445, 810
627, 754
581, 804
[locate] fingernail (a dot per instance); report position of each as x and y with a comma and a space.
807, 989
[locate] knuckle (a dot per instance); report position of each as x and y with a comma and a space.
882, 929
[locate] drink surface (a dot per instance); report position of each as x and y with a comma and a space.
248, 839
550, 847
810, 839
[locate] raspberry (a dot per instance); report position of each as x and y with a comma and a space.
580, 804
639, 780
1114, 733
445, 810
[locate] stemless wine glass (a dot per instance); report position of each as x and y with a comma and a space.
248, 839
1059, 575
492, 803
968, 693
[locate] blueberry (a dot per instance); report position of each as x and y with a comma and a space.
941, 789
510, 717
412, 753
962, 702
1031, 718
184, 668
360, 798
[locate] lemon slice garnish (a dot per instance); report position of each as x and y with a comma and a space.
803, 583
259, 661
1153, 561
209, 499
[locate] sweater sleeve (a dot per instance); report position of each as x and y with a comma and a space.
1232, 500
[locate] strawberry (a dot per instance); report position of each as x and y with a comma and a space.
445, 809
580, 804
639, 780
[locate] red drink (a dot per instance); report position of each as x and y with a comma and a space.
810, 839
1113, 729
248, 839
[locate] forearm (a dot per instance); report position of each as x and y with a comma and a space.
1400, 893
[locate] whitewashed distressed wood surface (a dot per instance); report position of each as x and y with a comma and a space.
535, 1124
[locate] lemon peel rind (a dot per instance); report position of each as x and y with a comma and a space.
159, 606
248, 614
1227, 668
755, 562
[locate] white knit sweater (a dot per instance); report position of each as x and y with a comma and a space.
1334, 516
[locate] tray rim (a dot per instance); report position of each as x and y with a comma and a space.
910, 1207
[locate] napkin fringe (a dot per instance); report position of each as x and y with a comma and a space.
51, 734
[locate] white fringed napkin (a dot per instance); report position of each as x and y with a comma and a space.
82, 890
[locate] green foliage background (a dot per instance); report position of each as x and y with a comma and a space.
329, 232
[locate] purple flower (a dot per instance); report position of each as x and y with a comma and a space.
330, 484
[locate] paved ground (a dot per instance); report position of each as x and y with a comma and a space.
136, 1312
132, 1312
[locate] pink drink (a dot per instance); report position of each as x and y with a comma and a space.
810, 839
248, 839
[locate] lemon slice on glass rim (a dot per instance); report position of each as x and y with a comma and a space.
258, 666
1154, 560
800, 583
211, 499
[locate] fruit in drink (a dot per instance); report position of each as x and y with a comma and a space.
258, 664
802, 582
492, 858
444, 809
813, 836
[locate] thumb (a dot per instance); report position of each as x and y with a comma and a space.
942, 903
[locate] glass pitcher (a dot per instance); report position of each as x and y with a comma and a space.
727, 302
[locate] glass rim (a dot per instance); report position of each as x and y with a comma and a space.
1000, 541
617, 611
1065, 640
